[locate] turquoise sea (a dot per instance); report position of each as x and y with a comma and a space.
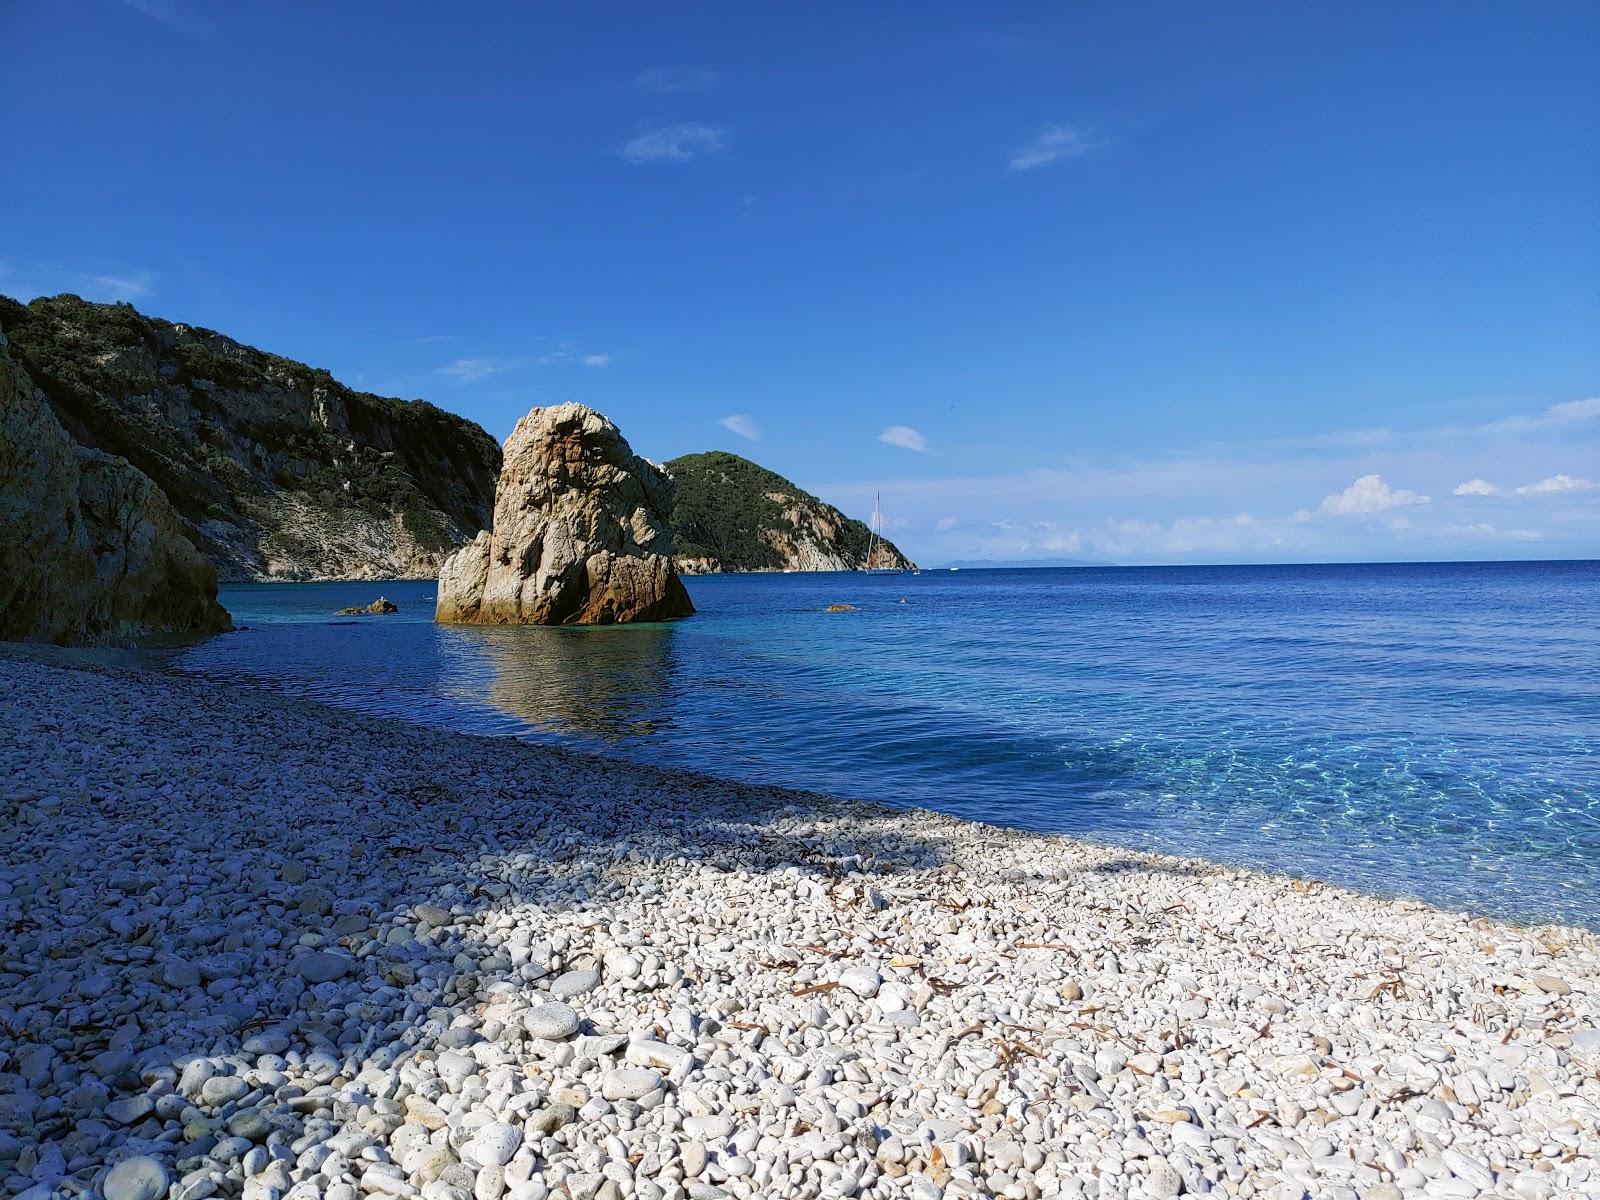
1421, 730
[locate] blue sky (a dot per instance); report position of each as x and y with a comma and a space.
1140, 283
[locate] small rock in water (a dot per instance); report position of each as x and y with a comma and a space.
378, 606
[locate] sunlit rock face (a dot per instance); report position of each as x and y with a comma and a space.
581, 533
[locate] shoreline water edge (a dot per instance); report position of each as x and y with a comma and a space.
1408, 731
254, 946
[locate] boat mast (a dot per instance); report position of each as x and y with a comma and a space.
872, 539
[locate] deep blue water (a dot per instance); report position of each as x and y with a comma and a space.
1422, 730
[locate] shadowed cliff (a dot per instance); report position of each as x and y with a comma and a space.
275, 468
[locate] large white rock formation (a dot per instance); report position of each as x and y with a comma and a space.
581, 533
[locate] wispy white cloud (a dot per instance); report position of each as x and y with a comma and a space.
905, 437
665, 81
171, 14
124, 285
1476, 487
673, 143
1132, 538
1343, 439
1184, 535
1055, 143
471, 370
1573, 410
567, 354
1569, 413
1369, 494
1482, 529
1556, 483
946, 524
742, 425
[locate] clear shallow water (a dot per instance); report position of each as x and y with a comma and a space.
1422, 730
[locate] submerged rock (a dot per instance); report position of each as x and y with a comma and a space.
581, 534
90, 548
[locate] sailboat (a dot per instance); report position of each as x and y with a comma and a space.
873, 539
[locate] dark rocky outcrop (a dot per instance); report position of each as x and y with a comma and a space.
732, 515
90, 549
580, 536
378, 607
276, 470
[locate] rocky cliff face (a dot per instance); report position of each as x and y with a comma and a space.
276, 470
90, 550
732, 515
580, 537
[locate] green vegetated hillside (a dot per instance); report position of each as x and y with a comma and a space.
733, 515
276, 469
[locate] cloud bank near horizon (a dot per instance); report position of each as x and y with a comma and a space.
1521, 486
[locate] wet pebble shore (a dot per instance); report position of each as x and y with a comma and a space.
255, 947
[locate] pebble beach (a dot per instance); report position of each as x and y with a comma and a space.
253, 946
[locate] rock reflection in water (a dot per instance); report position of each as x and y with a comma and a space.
609, 682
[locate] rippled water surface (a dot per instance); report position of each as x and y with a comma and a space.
1431, 731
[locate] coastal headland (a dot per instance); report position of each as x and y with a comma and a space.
258, 947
